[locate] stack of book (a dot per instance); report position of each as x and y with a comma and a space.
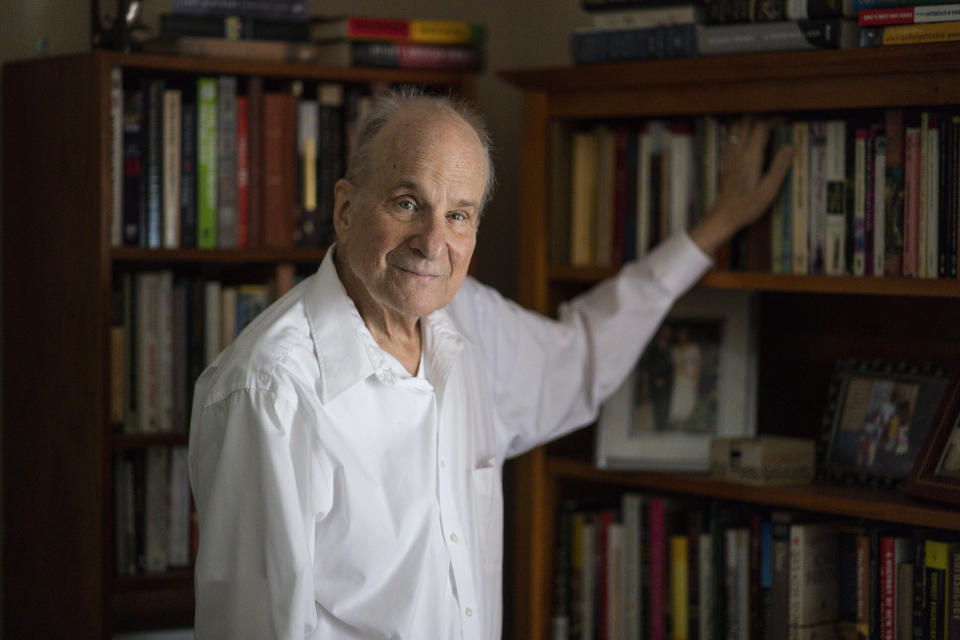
873, 195
890, 22
648, 566
287, 30
651, 29
225, 162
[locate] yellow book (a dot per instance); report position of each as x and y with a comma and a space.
445, 32
917, 33
679, 589
936, 560
583, 209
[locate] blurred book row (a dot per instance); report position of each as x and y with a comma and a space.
653, 29
228, 161
293, 31
165, 331
871, 194
648, 566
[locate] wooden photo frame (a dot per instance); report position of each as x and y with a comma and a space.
936, 471
877, 418
695, 381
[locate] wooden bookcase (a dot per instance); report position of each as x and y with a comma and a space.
806, 322
58, 267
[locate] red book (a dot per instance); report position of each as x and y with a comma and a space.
243, 172
279, 169
908, 15
888, 572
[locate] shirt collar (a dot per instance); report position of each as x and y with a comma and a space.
347, 352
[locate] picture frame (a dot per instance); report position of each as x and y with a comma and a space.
936, 471
696, 380
877, 417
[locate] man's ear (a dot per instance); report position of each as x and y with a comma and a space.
343, 212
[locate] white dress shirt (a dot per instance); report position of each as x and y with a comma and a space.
340, 497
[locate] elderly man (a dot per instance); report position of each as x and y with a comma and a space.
345, 451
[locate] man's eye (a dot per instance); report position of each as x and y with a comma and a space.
456, 216
406, 204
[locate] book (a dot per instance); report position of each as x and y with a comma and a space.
817, 198
583, 197
163, 309
255, 129
151, 233
188, 167
879, 204
276, 9
590, 45
866, 5
909, 15
306, 228
813, 578
397, 30
931, 201
613, 598
896, 34
953, 591
227, 162
269, 50
911, 206
859, 201
116, 157
398, 55
560, 192
632, 510
147, 351
904, 607
331, 160
604, 213
156, 509
234, 27
800, 210
734, 11
243, 172
207, 156
212, 323
793, 35
560, 614
178, 537
679, 587
936, 569
894, 192
171, 167
279, 169
639, 18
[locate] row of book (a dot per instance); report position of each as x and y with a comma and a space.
668, 29
165, 331
227, 162
292, 32
152, 510
876, 195
647, 566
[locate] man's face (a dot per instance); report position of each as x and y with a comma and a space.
408, 232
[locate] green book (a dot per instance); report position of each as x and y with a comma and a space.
207, 163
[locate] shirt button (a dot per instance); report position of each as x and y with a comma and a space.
469, 612
453, 537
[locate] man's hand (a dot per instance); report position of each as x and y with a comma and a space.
745, 192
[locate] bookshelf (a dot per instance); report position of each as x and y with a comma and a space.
806, 322
60, 272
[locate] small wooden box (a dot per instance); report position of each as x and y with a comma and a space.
764, 460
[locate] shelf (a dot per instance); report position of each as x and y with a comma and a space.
140, 256
759, 281
144, 440
173, 579
845, 501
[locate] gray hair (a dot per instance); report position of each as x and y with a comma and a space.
388, 105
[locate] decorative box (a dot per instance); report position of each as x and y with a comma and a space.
763, 460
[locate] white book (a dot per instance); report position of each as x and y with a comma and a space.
631, 510
156, 509
813, 577
171, 168
651, 17
164, 311
836, 223
932, 207
211, 321
879, 216
116, 156
179, 536
228, 316
307, 152
682, 179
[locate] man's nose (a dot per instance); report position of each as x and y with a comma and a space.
430, 238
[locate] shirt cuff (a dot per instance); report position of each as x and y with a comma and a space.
676, 263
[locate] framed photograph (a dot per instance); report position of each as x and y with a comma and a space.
936, 470
877, 418
696, 380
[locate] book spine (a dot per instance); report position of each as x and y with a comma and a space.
887, 595
658, 569
406, 55
116, 156
279, 169
153, 227
937, 558
859, 201
800, 189
894, 198
911, 209
171, 168
156, 514
679, 588
446, 32
863, 586
133, 164
331, 156
255, 99
164, 312
275, 9
147, 352
181, 378
227, 162
919, 586
932, 199
953, 612
918, 33
909, 15
954, 196
178, 538
632, 514
774, 36
665, 41
817, 227
923, 194
188, 170
243, 172
866, 5
207, 185
305, 233
879, 202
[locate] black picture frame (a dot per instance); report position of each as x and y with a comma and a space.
877, 418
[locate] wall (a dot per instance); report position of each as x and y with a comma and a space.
519, 36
